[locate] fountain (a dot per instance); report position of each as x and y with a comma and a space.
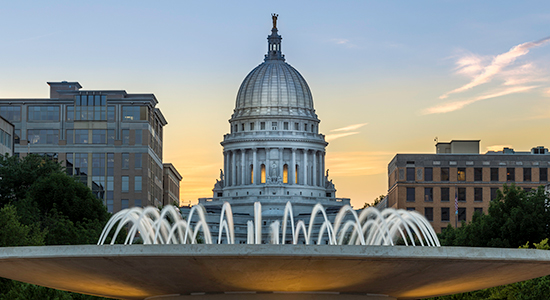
371, 227
360, 260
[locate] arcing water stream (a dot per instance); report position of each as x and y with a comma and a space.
370, 227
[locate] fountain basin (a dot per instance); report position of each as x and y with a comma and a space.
270, 271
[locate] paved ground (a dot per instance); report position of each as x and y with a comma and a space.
141, 271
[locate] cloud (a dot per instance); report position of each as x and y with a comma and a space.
333, 136
350, 127
547, 93
343, 42
456, 105
473, 65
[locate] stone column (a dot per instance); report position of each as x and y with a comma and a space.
267, 166
281, 169
225, 182
314, 173
305, 166
293, 167
254, 166
243, 167
233, 168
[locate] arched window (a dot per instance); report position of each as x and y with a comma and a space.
262, 179
285, 173
296, 175
251, 174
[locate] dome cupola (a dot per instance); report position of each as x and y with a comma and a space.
274, 88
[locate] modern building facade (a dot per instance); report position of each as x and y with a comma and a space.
430, 183
274, 152
110, 139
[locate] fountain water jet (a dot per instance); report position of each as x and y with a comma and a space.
370, 227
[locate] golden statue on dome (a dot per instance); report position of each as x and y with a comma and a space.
274, 17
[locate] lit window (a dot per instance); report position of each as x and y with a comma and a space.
134, 113
285, 174
461, 174
262, 176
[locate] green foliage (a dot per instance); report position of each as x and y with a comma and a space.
40, 204
514, 218
13, 233
376, 201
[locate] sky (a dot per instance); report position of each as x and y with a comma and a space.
387, 77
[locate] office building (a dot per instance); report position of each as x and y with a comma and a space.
429, 183
110, 139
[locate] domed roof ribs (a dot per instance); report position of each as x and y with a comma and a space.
274, 51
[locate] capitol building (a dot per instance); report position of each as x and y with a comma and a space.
274, 152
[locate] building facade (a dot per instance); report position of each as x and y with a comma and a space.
7, 137
111, 140
273, 153
171, 185
430, 183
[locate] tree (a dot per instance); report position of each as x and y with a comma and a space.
376, 201
514, 218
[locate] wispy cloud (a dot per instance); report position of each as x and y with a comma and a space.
343, 42
350, 127
346, 131
472, 65
456, 105
511, 77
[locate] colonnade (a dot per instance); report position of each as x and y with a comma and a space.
254, 166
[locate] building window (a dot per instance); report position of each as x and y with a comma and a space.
137, 161
305, 127
494, 174
262, 125
410, 209
111, 113
444, 194
262, 174
273, 125
236, 126
124, 203
410, 174
445, 174
98, 136
43, 113
125, 160
285, 125
11, 113
134, 113
125, 186
137, 202
251, 174
110, 205
43, 136
125, 136
410, 194
462, 214
81, 136
90, 107
137, 184
251, 126
110, 136
543, 174
445, 217
296, 126
428, 174
510, 174
429, 213
242, 126
478, 194
527, 189
478, 174
461, 174
526, 174
285, 173
428, 194
139, 137
478, 210
461, 194
296, 175
493, 193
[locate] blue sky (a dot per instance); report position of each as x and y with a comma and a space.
383, 68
